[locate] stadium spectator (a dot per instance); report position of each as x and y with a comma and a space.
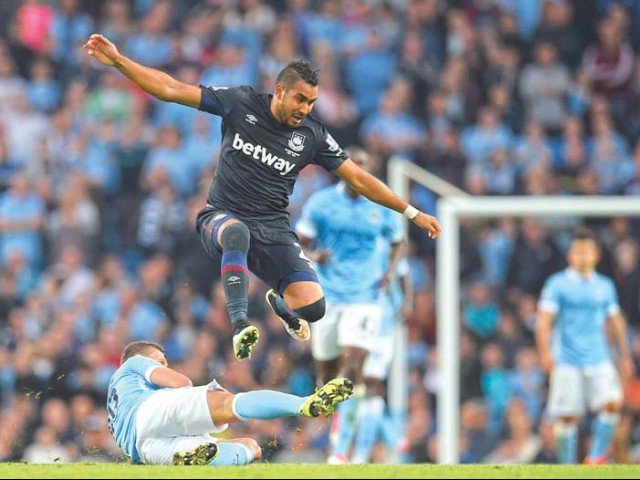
477, 440
481, 313
543, 86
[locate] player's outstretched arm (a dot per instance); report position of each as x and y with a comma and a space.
166, 377
619, 327
544, 323
154, 82
366, 184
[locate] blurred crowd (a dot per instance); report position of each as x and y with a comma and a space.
100, 185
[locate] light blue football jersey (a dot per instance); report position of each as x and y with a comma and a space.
582, 306
130, 385
350, 228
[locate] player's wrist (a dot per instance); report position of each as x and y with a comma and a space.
118, 61
411, 212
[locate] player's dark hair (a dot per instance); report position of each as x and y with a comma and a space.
298, 70
582, 233
137, 348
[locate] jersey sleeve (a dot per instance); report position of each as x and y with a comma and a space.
550, 296
143, 366
328, 153
613, 306
308, 223
220, 100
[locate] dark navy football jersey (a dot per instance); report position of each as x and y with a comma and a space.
260, 158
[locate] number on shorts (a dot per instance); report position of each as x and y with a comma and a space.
112, 408
303, 256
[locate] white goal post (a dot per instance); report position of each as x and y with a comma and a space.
450, 209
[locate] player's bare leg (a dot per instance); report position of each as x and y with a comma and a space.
343, 427
301, 303
234, 238
326, 370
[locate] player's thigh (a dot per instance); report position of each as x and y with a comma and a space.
301, 294
324, 335
359, 325
603, 386
176, 412
160, 451
378, 361
282, 266
566, 392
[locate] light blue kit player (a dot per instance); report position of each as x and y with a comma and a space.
345, 229
570, 334
374, 421
158, 417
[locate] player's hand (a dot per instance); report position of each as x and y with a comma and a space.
102, 50
385, 281
429, 223
546, 362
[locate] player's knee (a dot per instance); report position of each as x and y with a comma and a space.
568, 420
236, 237
612, 407
312, 312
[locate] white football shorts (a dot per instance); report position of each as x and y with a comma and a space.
379, 358
345, 325
172, 420
572, 389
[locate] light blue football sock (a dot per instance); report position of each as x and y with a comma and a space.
390, 430
342, 438
230, 454
566, 442
603, 428
266, 405
370, 417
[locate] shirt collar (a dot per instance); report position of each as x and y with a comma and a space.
342, 189
573, 273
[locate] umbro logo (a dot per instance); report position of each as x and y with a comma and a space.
233, 280
219, 216
251, 119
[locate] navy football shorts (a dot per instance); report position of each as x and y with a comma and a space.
278, 264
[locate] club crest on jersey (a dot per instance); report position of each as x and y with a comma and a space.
296, 142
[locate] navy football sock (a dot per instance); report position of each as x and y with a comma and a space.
234, 271
283, 310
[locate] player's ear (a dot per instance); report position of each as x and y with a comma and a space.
279, 91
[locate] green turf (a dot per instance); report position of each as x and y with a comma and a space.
15, 470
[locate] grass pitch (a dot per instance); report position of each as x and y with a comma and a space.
305, 471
